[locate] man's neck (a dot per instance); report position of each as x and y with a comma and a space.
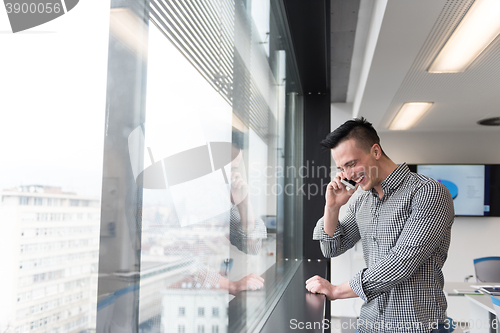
386, 167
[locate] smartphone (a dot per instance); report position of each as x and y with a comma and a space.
350, 184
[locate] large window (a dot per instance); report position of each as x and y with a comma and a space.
203, 141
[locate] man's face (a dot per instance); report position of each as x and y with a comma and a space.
355, 164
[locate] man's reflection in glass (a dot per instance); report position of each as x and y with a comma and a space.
185, 259
246, 231
204, 245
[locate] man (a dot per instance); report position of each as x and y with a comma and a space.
404, 222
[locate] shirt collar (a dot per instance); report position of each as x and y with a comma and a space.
394, 179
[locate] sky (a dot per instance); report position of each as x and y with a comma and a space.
52, 100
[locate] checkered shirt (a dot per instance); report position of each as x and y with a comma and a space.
405, 237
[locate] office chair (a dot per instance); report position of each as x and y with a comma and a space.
487, 269
452, 325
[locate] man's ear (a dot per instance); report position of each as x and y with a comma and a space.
376, 151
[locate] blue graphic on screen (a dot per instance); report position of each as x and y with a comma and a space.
465, 183
451, 187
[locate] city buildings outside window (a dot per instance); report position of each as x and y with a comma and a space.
56, 285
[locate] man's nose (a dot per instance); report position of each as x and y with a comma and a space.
349, 173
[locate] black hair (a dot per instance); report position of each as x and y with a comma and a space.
358, 129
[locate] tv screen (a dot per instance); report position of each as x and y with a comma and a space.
475, 189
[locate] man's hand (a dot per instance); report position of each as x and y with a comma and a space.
239, 189
337, 194
318, 285
249, 282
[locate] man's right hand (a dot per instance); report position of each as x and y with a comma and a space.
337, 194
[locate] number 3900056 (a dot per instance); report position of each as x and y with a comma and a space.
33, 8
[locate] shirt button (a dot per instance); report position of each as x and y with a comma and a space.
381, 311
374, 239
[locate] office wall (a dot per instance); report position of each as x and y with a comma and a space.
472, 237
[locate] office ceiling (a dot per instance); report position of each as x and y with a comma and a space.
395, 43
343, 20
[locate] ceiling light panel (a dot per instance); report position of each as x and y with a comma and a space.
479, 27
408, 115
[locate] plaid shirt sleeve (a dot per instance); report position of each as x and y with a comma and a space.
431, 217
248, 243
345, 236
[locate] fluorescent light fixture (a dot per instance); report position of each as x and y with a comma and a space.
478, 28
408, 115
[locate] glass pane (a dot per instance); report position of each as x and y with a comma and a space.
207, 143
53, 110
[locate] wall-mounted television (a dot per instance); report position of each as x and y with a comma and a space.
475, 188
